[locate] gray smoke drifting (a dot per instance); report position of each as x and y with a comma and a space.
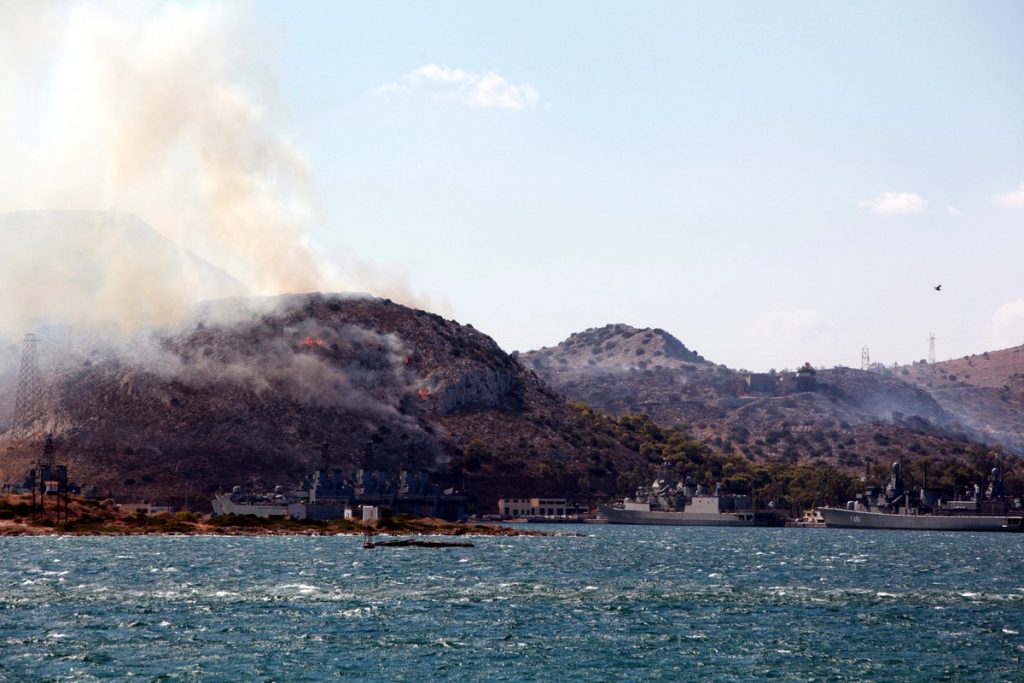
257, 347
158, 112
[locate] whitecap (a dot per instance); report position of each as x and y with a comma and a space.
300, 588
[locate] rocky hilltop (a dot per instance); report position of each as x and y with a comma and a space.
249, 392
841, 416
615, 347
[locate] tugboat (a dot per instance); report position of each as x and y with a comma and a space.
682, 504
894, 508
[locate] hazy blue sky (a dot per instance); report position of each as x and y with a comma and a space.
715, 169
772, 182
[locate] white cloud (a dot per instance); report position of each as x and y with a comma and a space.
1014, 199
896, 204
954, 212
1008, 324
487, 90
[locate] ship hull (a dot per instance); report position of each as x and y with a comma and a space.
838, 518
618, 516
223, 505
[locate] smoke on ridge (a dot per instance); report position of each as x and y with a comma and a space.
158, 111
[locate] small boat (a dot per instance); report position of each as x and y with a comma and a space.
415, 543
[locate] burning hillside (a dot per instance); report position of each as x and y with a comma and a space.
248, 393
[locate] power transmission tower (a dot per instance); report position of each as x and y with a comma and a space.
865, 359
28, 402
931, 349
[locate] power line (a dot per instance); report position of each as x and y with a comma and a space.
28, 402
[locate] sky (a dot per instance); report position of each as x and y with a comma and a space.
772, 183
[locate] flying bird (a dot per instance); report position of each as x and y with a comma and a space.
938, 288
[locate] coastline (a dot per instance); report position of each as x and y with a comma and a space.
104, 518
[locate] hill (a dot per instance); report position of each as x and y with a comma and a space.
984, 392
841, 417
251, 389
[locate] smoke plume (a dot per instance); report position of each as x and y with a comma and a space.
162, 112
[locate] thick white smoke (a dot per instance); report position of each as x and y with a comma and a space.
156, 110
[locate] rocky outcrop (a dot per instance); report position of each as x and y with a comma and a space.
476, 388
613, 347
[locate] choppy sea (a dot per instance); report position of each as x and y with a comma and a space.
615, 604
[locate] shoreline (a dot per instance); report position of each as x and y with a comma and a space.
450, 529
89, 517
157, 527
105, 518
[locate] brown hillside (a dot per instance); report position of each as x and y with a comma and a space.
984, 392
248, 394
850, 417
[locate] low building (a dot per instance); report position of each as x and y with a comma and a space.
779, 383
763, 382
535, 507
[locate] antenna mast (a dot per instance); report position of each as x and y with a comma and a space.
931, 349
865, 359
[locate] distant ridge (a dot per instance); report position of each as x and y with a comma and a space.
615, 347
846, 418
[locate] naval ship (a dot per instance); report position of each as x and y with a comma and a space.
682, 504
894, 507
329, 495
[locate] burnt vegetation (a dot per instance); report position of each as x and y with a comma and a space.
250, 392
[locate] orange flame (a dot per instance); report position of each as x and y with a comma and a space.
313, 341
423, 393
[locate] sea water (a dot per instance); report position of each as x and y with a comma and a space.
617, 603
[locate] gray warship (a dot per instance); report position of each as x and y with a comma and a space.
895, 507
329, 495
682, 503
